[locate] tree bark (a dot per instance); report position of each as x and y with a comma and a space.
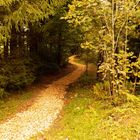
6, 51
13, 42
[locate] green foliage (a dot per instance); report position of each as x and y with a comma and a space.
16, 74
2, 93
135, 68
86, 80
21, 76
105, 27
32, 41
101, 92
89, 56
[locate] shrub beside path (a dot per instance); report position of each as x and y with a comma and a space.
43, 112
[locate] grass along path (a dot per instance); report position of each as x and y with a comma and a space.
12, 104
43, 112
85, 117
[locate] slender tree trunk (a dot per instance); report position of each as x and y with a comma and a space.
13, 42
59, 56
6, 53
87, 63
59, 49
134, 86
22, 49
112, 86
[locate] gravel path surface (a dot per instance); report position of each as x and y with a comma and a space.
43, 112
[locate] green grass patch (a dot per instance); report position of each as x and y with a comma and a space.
12, 104
87, 118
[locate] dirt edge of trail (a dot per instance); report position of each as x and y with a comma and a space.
44, 110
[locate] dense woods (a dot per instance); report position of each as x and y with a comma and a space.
38, 36
33, 41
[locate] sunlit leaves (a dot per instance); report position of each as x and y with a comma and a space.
106, 25
20, 13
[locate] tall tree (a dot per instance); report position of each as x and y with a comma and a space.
105, 26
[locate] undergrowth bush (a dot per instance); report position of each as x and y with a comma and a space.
101, 92
19, 74
84, 81
15, 74
89, 57
2, 93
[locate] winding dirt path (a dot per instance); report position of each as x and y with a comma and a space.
43, 112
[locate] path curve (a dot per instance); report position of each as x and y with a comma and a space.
43, 112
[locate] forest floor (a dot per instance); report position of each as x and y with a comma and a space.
38, 113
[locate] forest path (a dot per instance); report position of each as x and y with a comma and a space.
44, 110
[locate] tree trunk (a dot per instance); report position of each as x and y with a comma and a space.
21, 44
13, 42
6, 53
